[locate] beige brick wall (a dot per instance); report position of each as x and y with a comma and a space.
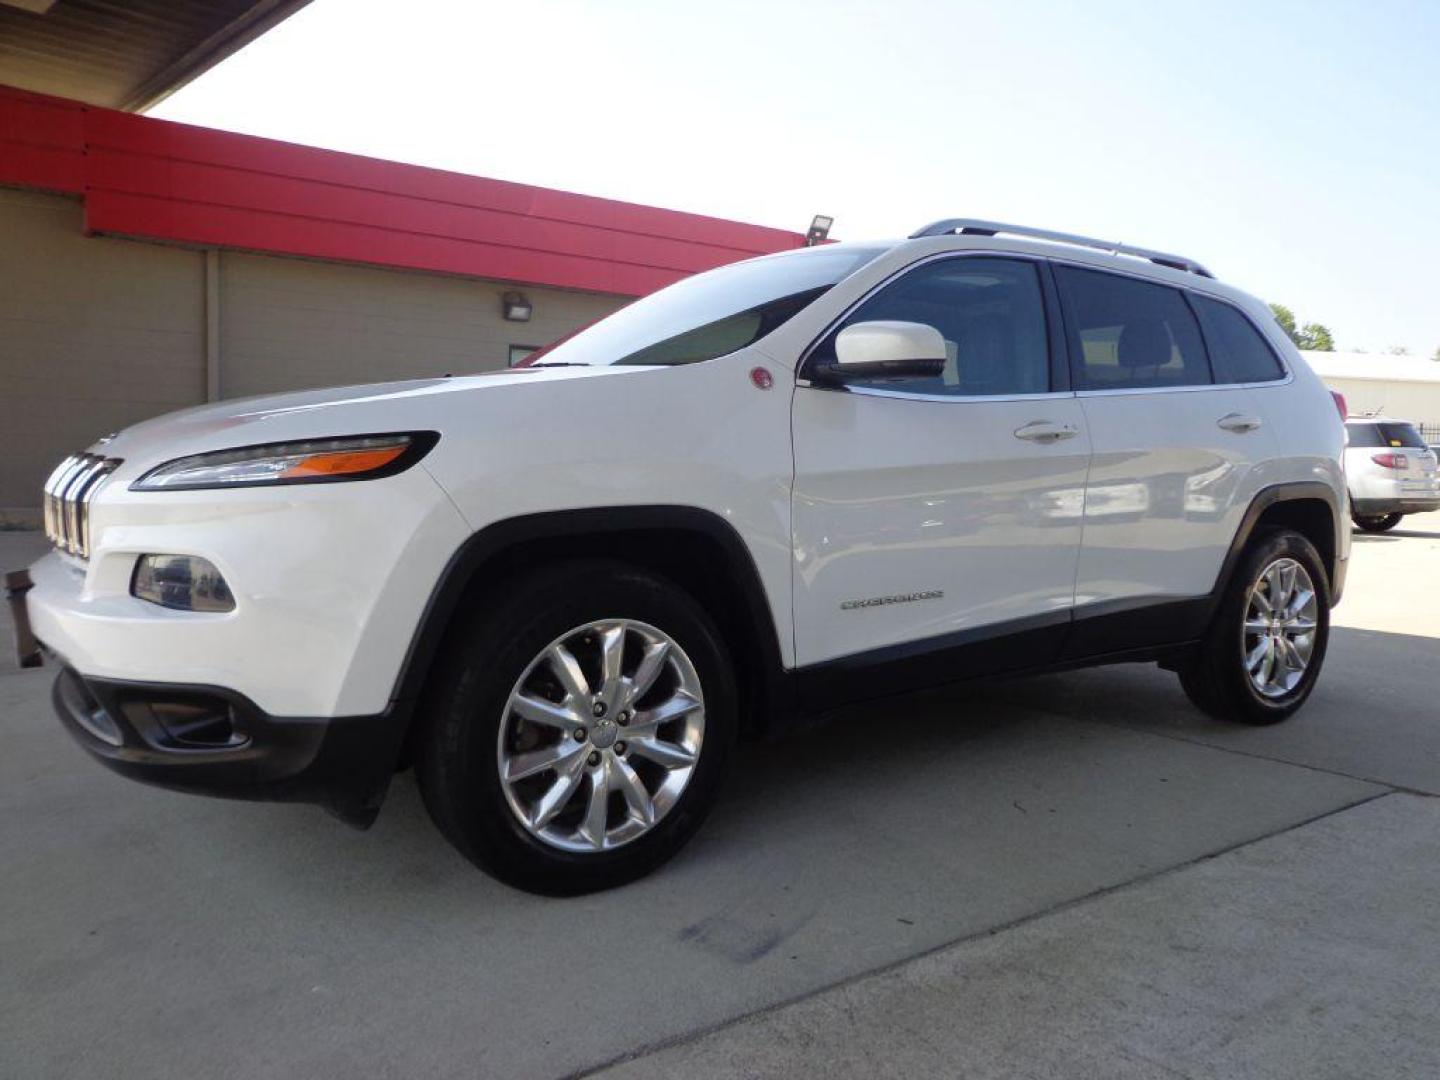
94, 334
97, 333
294, 324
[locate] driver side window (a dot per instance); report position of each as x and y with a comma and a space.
991, 313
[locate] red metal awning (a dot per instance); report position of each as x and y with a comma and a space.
159, 180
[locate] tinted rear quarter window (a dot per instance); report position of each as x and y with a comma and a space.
1238, 352
1129, 333
1364, 435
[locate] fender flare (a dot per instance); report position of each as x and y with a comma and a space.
1265, 498
505, 535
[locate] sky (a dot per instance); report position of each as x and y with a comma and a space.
1292, 147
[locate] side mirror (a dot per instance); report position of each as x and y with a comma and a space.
886, 350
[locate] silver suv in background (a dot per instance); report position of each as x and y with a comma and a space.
1390, 472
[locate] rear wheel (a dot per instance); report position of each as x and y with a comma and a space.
1266, 644
579, 729
1378, 523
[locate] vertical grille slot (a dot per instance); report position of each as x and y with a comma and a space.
67, 498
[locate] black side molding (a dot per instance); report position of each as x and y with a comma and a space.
1002, 648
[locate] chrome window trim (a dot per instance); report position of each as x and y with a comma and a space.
1187, 389
867, 391
947, 399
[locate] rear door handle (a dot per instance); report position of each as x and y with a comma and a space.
1239, 422
1045, 431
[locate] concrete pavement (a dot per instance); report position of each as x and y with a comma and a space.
1311, 954
145, 933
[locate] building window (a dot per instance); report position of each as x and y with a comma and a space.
520, 352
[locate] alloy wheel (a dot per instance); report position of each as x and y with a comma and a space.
601, 735
1281, 616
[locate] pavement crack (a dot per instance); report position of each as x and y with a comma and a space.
1192, 741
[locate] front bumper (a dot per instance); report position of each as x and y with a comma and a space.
211, 741
330, 582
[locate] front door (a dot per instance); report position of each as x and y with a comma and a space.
938, 519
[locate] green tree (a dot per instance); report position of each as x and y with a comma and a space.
1397, 350
1315, 337
1436, 357
1286, 318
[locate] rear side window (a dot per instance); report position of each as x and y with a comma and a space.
1364, 435
1237, 351
1129, 333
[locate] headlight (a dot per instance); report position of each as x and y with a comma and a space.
182, 582
363, 457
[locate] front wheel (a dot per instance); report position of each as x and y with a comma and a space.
1377, 523
579, 728
1262, 653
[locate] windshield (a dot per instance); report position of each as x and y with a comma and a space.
710, 314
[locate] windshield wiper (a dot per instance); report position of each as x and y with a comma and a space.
556, 363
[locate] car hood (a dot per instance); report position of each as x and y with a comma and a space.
410, 405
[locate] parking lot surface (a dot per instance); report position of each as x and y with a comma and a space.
1027, 866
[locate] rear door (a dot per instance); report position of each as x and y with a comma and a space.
1177, 458
932, 514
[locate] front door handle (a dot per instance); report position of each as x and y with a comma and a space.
1239, 422
1045, 431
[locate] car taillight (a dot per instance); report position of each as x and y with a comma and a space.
1389, 461
1340, 404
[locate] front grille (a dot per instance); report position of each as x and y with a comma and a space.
68, 493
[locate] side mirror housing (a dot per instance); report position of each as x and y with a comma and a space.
885, 350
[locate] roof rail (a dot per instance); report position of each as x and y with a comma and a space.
972, 227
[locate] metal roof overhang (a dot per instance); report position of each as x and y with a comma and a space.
125, 54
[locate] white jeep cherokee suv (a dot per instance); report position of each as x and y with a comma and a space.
562, 592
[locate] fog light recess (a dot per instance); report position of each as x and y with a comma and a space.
181, 582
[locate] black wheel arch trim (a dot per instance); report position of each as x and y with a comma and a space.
1265, 498
506, 535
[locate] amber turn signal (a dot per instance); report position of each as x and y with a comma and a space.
344, 462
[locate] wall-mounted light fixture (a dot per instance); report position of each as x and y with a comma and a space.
819, 229
516, 307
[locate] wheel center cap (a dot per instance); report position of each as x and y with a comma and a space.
602, 735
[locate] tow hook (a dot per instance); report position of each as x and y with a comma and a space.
27, 649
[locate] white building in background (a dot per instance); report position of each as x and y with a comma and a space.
1405, 387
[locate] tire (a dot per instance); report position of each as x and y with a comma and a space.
1219, 680
474, 729
1382, 523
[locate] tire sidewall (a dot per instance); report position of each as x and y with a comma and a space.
498, 651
